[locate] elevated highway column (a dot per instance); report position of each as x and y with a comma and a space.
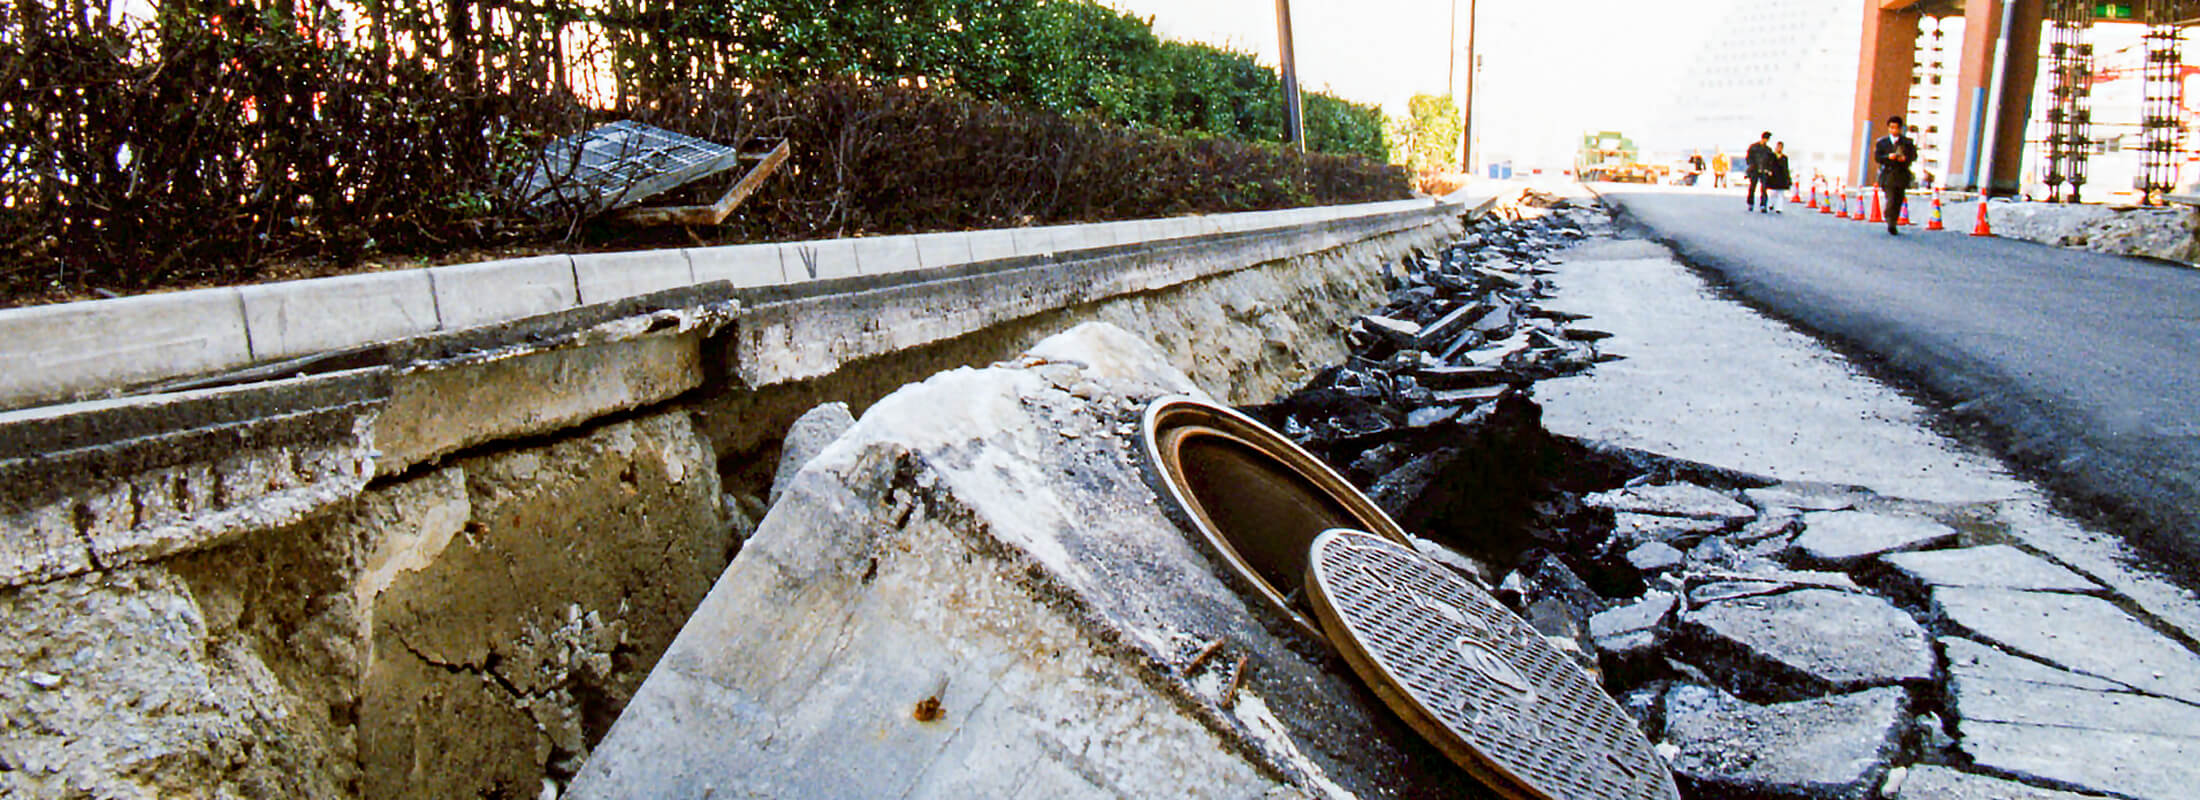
1994, 93
1883, 78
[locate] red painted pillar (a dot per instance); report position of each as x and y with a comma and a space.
1883, 75
1975, 84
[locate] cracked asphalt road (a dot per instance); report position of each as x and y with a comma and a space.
2079, 365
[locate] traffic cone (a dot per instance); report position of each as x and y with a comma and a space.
1876, 218
1982, 229
1795, 193
1905, 219
1813, 198
1843, 211
1827, 207
1934, 224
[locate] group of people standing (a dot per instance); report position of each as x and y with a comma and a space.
1765, 165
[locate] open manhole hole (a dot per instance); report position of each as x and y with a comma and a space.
1257, 498
1475, 679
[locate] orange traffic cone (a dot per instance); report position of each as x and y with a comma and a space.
1843, 211
1982, 229
1813, 198
1905, 218
1875, 206
1795, 193
1827, 207
1934, 224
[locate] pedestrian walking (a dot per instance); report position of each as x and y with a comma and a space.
1720, 166
1759, 161
1894, 153
1777, 177
1695, 167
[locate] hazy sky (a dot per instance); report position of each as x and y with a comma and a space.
1550, 68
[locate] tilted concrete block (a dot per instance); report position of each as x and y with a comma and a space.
604, 277
295, 318
489, 292
742, 265
55, 352
995, 624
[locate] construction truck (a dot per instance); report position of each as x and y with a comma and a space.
1610, 156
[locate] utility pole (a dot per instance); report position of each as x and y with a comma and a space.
1451, 53
1294, 125
1466, 122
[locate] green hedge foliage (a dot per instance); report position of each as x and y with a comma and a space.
225, 136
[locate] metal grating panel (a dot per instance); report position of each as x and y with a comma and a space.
1480, 683
619, 164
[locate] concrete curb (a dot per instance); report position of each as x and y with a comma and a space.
75, 351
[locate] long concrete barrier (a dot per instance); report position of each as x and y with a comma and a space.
78, 350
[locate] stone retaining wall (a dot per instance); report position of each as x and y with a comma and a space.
439, 565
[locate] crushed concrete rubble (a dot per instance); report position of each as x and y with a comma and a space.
976, 592
2164, 233
1780, 640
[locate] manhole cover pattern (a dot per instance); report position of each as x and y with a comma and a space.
1510, 698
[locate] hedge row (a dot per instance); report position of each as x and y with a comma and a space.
222, 137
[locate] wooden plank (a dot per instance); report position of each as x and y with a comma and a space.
715, 212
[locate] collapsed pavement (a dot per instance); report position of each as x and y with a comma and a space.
1780, 640
1787, 640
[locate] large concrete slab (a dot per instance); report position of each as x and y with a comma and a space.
974, 593
295, 318
2079, 633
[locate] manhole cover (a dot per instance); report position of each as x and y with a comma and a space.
1475, 679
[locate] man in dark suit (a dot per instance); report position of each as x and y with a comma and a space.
1759, 159
1894, 153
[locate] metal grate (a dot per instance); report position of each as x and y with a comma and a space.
1475, 679
619, 164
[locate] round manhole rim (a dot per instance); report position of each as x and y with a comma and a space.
1234, 426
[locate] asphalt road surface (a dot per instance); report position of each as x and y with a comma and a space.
2082, 366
